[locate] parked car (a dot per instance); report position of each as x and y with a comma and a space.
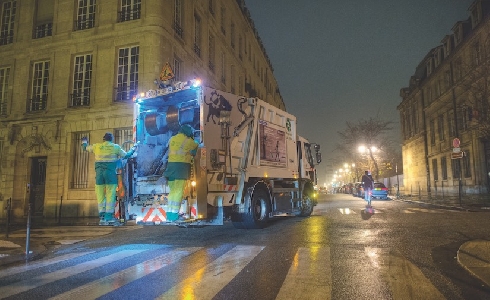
357, 190
380, 191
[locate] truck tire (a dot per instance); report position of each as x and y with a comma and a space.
257, 212
306, 205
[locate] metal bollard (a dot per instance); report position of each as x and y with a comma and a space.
7, 223
28, 233
59, 212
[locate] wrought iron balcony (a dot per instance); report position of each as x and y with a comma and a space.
43, 30
129, 14
80, 99
124, 93
37, 103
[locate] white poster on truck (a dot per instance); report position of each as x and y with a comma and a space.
272, 145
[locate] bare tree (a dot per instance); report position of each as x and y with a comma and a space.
370, 133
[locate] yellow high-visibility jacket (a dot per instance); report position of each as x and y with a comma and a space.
181, 148
106, 151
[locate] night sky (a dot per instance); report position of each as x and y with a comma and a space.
338, 61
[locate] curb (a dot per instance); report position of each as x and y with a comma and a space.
452, 207
474, 256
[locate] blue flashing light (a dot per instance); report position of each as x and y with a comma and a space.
196, 83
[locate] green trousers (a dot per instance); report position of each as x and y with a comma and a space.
175, 196
106, 197
105, 188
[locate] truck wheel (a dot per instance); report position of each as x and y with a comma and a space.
257, 213
306, 206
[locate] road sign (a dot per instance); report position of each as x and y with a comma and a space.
456, 143
456, 150
166, 73
457, 155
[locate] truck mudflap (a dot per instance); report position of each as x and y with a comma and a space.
154, 212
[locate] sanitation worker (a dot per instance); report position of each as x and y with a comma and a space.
181, 149
107, 155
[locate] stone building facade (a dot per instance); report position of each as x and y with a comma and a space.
71, 68
443, 102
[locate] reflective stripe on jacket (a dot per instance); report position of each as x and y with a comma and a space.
106, 151
181, 148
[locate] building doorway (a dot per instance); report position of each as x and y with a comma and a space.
37, 185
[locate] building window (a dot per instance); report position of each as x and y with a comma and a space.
211, 7
432, 132
444, 168
458, 34
177, 69
476, 54
240, 85
232, 79
1, 154
458, 71
466, 164
4, 90
240, 47
178, 18
82, 79
7, 22
455, 168
414, 125
447, 80
475, 14
85, 14
211, 53
197, 35
428, 92
44, 19
124, 138
429, 67
79, 176
39, 86
130, 10
440, 127
127, 74
232, 35
435, 172
223, 19
464, 117
223, 68
450, 124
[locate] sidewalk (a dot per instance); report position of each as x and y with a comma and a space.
47, 236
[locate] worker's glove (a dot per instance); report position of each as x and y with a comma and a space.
135, 146
84, 140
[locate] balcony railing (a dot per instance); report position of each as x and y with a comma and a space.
6, 39
82, 24
128, 15
80, 99
178, 30
43, 30
124, 94
3, 109
37, 103
197, 49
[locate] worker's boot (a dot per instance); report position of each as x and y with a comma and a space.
102, 221
109, 218
172, 217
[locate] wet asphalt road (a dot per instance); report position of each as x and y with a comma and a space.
403, 251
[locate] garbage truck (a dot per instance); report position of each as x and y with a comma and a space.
250, 165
